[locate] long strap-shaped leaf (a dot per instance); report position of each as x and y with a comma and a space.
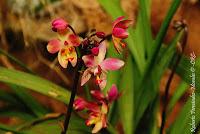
149, 90
189, 114
126, 101
162, 33
34, 83
30, 102
184, 70
10, 129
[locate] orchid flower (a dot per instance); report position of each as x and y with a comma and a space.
119, 32
65, 46
98, 66
97, 111
59, 25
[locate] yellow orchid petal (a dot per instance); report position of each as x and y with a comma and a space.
98, 126
62, 59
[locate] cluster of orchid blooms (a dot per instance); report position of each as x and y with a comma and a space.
92, 51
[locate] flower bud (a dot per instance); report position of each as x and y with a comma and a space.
100, 34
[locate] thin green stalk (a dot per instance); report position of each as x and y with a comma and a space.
15, 60
10, 129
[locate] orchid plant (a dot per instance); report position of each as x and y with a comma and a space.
127, 101
91, 57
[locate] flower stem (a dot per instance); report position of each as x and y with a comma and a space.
70, 27
73, 94
167, 88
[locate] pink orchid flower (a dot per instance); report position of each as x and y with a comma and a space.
97, 111
119, 32
59, 25
65, 47
111, 95
98, 66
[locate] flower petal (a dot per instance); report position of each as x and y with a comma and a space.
80, 104
100, 34
102, 53
116, 42
54, 46
93, 107
120, 33
97, 94
112, 64
95, 51
104, 121
124, 24
118, 20
74, 40
59, 24
103, 78
93, 118
104, 108
72, 57
86, 76
98, 126
62, 59
113, 93
89, 60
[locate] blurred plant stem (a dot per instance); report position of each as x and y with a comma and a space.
15, 60
177, 57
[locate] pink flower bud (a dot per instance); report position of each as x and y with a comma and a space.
113, 93
95, 51
100, 34
59, 25
80, 104
97, 94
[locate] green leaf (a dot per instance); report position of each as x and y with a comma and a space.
184, 70
29, 101
143, 24
113, 7
163, 30
180, 90
149, 90
149, 116
126, 101
9, 98
15, 60
11, 112
34, 83
182, 124
10, 129
53, 126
